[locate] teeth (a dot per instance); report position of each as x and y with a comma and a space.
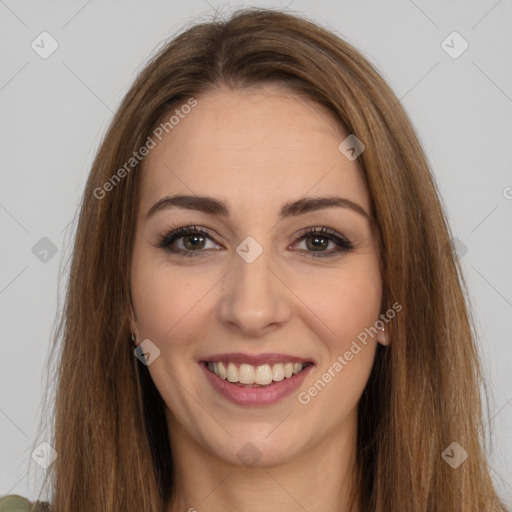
246, 374
297, 367
232, 373
277, 372
223, 372
261, 375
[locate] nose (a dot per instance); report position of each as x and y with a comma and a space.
255, 298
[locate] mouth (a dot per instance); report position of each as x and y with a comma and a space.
255, 379
246, 375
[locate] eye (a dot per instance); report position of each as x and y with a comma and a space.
318, 239
191, 240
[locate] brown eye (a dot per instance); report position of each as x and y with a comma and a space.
193, 241
318, 239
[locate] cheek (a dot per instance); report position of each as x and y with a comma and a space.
164, 312
165, 301
349, 307
346, 300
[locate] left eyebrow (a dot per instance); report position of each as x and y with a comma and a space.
219, 207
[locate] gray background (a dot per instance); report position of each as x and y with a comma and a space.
54, 112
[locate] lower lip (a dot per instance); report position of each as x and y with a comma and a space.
256, 396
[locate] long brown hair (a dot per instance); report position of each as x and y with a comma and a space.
423, 394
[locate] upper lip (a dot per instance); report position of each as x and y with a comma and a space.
255, 359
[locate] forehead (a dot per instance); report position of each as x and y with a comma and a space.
259, 146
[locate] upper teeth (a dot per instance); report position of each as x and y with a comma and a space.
249, 374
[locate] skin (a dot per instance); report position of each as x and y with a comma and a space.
257, 149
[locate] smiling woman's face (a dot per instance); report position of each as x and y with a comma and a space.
254, 289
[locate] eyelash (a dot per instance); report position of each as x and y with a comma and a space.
167, 238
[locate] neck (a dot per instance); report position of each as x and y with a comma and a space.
321, 478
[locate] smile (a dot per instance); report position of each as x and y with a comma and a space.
255, 380
255, 376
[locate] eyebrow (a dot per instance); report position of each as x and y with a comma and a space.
218, 207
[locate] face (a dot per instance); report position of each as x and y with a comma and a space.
258, 287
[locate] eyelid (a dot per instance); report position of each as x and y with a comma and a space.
344, 245
171, 234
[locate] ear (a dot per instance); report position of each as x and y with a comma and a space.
383, 337
134, 330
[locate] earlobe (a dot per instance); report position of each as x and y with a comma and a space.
383, 337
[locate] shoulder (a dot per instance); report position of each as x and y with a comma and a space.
16, 503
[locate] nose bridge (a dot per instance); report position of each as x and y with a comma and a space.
253, 296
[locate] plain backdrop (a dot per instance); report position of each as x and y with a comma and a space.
55, 109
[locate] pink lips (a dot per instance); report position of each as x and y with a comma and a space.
255, 396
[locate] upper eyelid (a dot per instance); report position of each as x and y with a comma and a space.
183, 231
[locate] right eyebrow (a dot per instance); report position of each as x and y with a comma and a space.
219, 207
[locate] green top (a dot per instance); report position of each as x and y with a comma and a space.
16, 503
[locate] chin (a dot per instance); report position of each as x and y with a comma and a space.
258, 447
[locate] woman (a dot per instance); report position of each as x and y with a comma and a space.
261, 222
